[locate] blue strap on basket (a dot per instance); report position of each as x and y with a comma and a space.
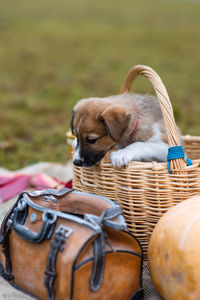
174, 153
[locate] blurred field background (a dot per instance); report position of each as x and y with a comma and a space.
52, 53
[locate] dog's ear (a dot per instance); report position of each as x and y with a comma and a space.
116, 121
72, 122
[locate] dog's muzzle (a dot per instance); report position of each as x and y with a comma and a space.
89, 160
78, 162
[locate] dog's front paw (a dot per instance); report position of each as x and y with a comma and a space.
120, 158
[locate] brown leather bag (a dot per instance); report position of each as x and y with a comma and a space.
63, 244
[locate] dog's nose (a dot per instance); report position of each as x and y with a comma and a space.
78, 162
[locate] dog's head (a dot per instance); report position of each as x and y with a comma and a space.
98, 127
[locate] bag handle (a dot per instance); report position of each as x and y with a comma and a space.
19, 216
165, 104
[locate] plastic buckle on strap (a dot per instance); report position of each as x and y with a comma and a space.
175, 153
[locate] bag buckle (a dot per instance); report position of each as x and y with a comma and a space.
66, 231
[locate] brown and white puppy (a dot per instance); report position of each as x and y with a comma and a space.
131, 122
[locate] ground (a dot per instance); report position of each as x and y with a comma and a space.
52, 53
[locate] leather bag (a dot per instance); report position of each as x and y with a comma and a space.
63, 244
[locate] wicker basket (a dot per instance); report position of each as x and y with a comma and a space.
69, 140
146, 190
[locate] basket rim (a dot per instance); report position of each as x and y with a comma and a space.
190, 137
141, 165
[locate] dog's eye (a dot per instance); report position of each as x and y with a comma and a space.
91, 141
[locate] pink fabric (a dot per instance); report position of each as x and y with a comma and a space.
12, 185
6, 179
43, 181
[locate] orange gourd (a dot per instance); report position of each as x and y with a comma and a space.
174, 252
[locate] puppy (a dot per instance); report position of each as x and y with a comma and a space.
130, 122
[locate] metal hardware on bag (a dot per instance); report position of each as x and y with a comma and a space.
10, 221
33, 217
63, 229
21, 204
106, 216
49, 197
48, 215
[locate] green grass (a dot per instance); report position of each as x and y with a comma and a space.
52, 53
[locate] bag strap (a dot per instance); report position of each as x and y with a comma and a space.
98, 264
4, 240
57, 244
99, 247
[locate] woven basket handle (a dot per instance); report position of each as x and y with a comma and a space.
166, 107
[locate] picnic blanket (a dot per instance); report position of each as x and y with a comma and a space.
38, 176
